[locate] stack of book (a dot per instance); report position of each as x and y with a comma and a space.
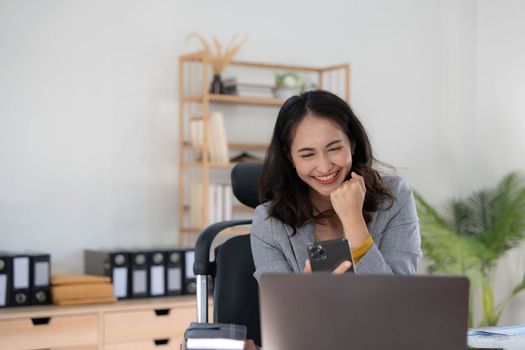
81, 289
220, 203
215, 336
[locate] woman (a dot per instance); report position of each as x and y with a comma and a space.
318, 184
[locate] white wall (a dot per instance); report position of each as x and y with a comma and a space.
500, 119
88, 103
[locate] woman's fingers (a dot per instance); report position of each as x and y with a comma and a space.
345, 265
360, 180
307, 267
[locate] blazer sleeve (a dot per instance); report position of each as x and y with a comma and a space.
267, 254
398, 248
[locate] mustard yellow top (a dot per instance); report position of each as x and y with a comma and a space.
359, 252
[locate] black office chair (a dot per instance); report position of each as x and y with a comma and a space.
235, 291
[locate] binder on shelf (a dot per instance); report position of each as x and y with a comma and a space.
157, 273
40, 273
19, 280
174, 259
5, 279
112, 263
138, 274
190, 281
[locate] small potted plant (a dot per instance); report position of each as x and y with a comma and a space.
288, 84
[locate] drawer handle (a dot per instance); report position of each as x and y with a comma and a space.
161, 341
38, 321
162, 312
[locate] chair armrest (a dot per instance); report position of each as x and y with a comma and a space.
202, 265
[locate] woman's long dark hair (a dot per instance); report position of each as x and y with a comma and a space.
280, 184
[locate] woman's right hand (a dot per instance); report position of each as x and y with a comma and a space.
345, 265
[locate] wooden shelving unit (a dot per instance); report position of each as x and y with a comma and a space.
194, 80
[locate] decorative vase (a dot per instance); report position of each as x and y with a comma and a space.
216, 85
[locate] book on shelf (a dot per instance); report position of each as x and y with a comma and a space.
220, 203
219, 146
217, 140
233, 87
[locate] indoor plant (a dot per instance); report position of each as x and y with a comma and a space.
219, 58
472, 235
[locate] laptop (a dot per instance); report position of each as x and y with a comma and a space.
348, 311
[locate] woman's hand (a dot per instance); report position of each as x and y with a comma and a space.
347, 201
345, 265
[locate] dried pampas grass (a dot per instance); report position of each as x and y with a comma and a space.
219, 59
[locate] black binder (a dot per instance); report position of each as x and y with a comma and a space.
190, 281
113, 263
18, 291
138, 275
157, 273
174, 259
40, 271
5, 279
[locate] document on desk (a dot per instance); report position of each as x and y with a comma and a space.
517, 330
508, 337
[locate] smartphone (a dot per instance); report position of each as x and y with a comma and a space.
328, 255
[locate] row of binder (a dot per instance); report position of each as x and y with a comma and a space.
24, 279
144, 273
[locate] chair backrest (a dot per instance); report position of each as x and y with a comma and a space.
245, 178
236, 291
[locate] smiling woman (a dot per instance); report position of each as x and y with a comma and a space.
318, 184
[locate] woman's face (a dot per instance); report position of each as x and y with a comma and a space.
321, 154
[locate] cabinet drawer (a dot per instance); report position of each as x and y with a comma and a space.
161, 344
49, 332
148, 324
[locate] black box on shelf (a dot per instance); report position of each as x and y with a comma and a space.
174, 259
190, 281
15, 278
5, 279
40, 272
139, 274
112, 263
157, 273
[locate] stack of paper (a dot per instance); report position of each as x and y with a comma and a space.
81, 289
215, 336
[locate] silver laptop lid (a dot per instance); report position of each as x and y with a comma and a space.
325, 311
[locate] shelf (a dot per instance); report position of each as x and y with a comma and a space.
239, 146
210, 165
237, 230
246, 100
237, 207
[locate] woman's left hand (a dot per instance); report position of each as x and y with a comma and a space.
347, 200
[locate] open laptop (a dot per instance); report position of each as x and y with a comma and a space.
326, 311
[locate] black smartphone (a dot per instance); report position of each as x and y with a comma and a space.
327, 255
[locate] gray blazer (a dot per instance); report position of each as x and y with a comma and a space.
395, 232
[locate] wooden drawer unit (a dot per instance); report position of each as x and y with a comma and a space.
56, 331
148, 324
156, 323
165, 344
